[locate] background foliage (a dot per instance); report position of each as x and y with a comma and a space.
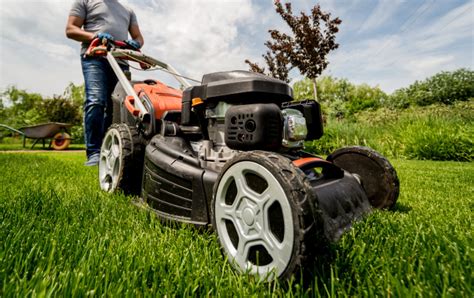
311, 39
19, 108
342, 99
437, 132
430, 119
444, 87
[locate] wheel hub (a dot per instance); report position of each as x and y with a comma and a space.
110, 159
248, 216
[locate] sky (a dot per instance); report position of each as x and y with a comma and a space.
385, 43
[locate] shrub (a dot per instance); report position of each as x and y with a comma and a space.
444, 87
339, 98
60, 109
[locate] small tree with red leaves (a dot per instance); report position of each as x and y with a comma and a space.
313, 37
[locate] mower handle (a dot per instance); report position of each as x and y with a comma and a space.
99, 47
121, 50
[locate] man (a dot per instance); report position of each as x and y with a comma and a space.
109, 20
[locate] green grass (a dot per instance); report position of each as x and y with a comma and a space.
61, 236
16, 144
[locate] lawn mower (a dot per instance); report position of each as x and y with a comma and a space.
228, 153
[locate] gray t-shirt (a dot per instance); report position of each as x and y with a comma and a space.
104, 16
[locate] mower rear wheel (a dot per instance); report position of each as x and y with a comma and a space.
261, 211
377, 176
61, 141
121, 160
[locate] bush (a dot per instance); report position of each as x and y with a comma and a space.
60, 109
444, 87
339, 98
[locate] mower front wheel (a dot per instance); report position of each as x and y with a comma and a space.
121, 160
262, 215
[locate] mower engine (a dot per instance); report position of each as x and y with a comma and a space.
234, 128
264, 127
242, 111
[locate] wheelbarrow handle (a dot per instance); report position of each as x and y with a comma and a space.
12, 129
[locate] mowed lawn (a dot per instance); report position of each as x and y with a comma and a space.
61, 236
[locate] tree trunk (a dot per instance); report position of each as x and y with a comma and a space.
315, 90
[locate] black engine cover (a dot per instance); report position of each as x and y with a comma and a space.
254, 127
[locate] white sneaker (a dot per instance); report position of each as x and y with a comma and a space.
93, 160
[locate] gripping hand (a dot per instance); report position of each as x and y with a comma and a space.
133, 44
104, 35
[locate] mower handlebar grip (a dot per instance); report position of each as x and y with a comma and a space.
97, 48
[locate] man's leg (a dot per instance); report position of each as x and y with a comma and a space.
96, 75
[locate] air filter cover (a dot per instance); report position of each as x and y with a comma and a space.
254, 127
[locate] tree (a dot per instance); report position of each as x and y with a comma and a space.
75, 93
313, 37
20, 107
277, 62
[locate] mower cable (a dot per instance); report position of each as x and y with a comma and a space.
153, 68
164, 70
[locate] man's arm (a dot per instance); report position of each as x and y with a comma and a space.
136, 34
74, 30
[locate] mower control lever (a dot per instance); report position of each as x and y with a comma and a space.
130, 105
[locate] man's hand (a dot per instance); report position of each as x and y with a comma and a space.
104, 35
133, 44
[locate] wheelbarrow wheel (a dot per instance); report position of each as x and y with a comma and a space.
262, 215
378, 177
61, 141
121, 160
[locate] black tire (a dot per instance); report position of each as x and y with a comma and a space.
294, 205
378, 177
121, 170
